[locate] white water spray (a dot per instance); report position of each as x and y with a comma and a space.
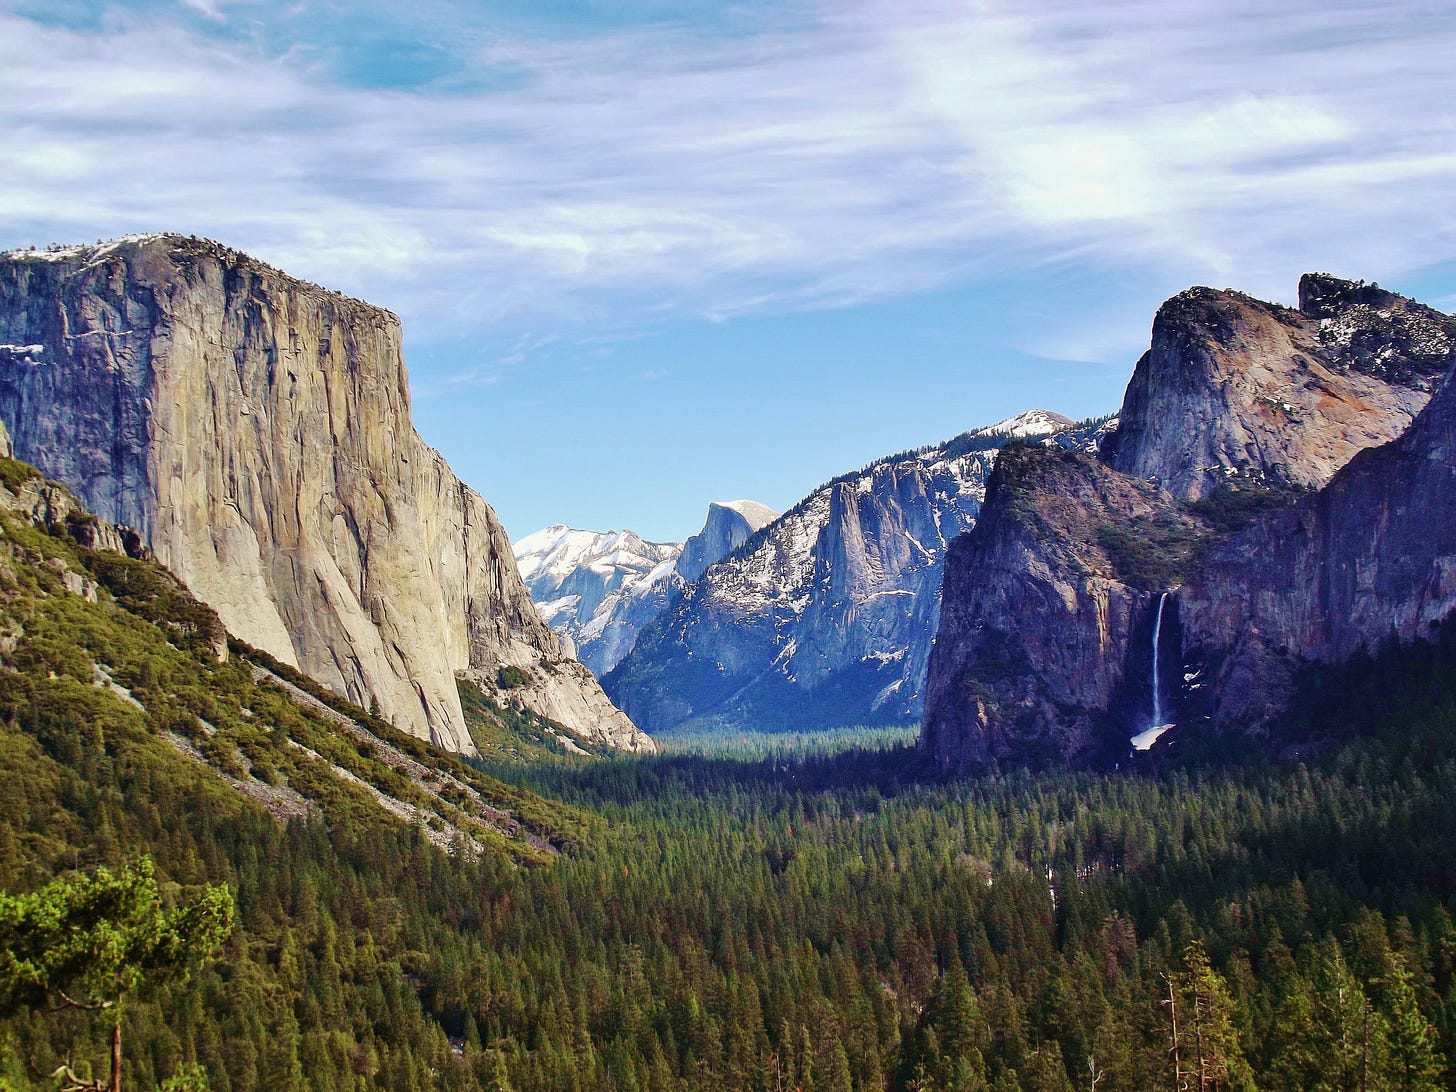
1144, 740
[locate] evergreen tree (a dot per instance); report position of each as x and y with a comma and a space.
1415, 1061
84, 942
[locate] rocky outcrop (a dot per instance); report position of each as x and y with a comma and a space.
1236, 391
256, 431
728, 526
564, 691
1238, 413
825, 616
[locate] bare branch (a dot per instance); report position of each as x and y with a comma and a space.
75, 1083
72, 1003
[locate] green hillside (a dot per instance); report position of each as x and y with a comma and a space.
122, 731
812, 921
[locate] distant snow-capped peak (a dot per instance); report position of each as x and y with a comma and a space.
550, 556
1029, 423
598, 588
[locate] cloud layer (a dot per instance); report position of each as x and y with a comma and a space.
815, 158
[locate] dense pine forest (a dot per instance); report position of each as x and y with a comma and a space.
778, 918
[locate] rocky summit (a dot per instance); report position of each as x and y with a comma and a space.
729, 525
1264, 504
1237, 391
255, 430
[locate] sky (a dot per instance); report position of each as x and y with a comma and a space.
651, 254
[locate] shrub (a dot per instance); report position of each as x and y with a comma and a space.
508, 677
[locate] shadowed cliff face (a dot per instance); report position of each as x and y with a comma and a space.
1370, 557
1235, 416
256, 430
1046, 612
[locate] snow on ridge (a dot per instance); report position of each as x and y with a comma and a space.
559, 550
591, 586
61, 253
1029, 423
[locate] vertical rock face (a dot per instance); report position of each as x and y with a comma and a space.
1238, 411
1247, 393
825, 616
256, 430
1370, 557
1045, 612
728, 526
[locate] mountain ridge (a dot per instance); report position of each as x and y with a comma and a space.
825, 615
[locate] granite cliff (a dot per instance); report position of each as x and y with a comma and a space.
1045, 616
256, 432
1234, 391
1368, 559
729, 525
1218, 474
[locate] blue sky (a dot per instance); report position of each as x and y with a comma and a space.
653, 254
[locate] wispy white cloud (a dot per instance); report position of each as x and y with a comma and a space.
208, 8
841, 153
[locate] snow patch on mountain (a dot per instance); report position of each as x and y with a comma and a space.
589, 586
1029, 424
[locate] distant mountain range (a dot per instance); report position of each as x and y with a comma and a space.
825, 616
597, 589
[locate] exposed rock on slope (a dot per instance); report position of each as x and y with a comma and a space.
825, 616
256, 430
1240, 408
598, 589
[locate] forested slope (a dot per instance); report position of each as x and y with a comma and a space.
677, 922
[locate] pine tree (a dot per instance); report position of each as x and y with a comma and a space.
1415, 1061
1217, 1058
84, 942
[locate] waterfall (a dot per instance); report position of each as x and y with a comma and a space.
1145, 739
1157, 691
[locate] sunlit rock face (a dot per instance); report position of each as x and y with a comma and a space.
256, 430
